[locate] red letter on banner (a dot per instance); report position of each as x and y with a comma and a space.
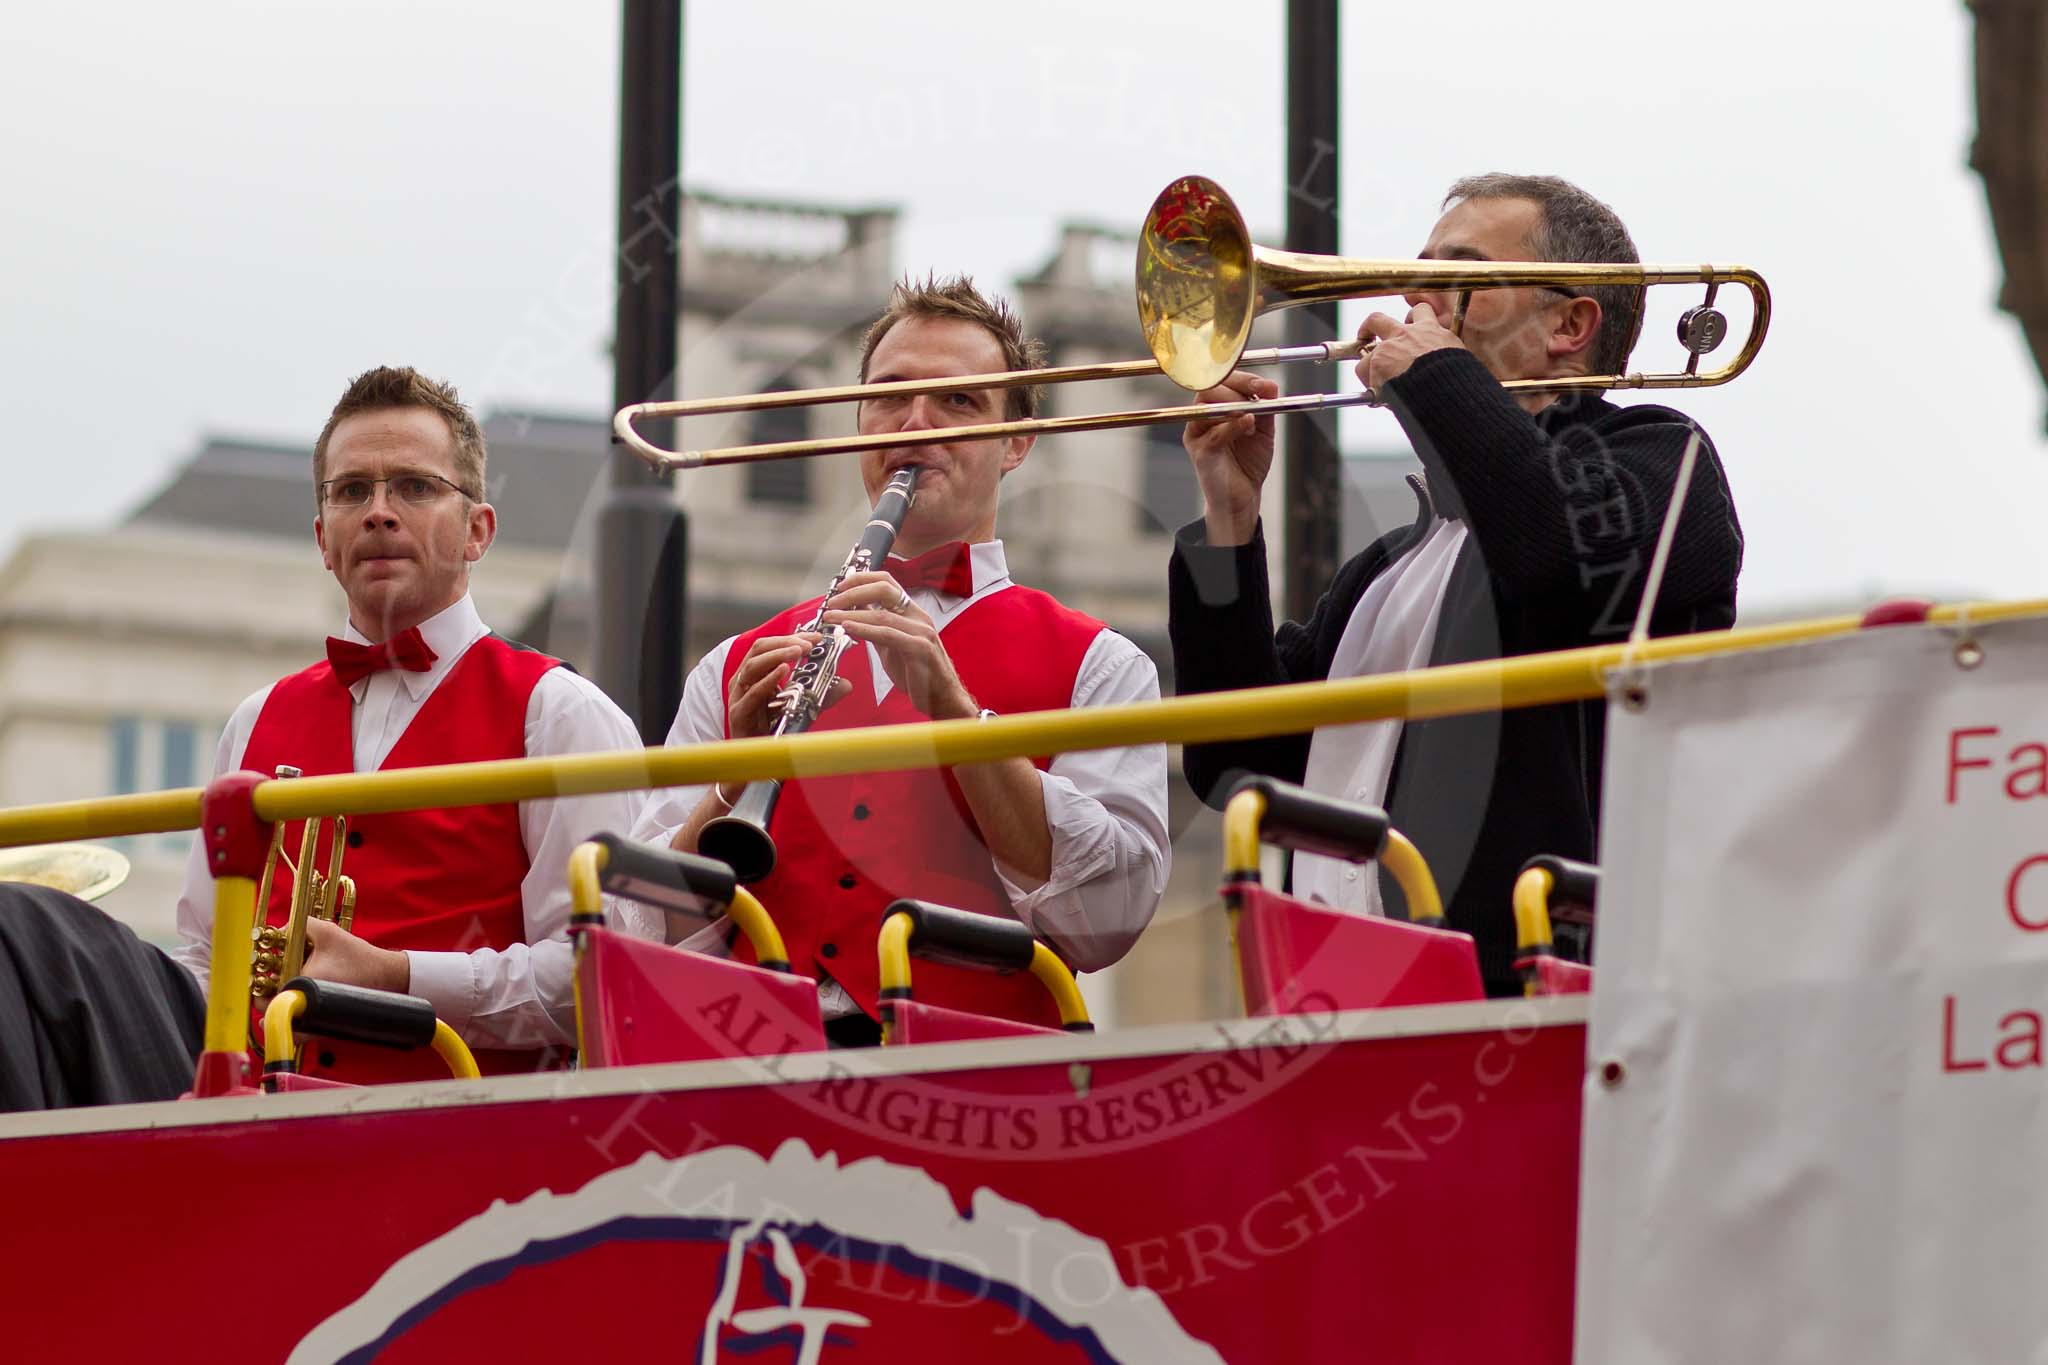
2012, 895
2037, 770
2021, 1044
1948, 1039
1956, 762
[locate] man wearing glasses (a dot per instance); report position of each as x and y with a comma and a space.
1537, 516
464, 908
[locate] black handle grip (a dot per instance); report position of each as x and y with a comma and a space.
685, 885
1299, 819
740, 838
1573, 885
962, 938
357, 1014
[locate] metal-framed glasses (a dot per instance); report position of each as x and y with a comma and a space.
354, 490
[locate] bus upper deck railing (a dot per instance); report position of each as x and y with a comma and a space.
1454, 689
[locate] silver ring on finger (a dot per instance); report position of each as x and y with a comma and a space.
902, 601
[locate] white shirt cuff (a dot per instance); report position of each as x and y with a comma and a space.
447, 981
1071, 819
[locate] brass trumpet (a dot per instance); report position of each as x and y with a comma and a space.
1201, 283
278, 952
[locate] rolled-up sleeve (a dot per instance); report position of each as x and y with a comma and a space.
1106, 812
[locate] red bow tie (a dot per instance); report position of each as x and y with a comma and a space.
352, 662
946, 568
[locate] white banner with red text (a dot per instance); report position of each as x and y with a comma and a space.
1816, 1101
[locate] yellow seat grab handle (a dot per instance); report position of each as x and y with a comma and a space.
586, 896
278, 1047
1532, 923
983, 942
892, 959
1241, 821
1058, 979
355, 1014
1412, 875
1264, 809
679, 884
1549, 887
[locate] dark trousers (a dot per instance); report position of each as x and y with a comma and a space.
89, 1013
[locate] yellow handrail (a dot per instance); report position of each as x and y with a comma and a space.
1454, 689
227, 1004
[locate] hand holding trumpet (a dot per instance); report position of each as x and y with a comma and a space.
335, 954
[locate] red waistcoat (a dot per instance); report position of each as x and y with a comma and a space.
434, 880
847, 846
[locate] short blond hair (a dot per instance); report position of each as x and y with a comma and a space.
956, 297
404, 387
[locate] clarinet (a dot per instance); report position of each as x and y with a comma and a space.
740, 838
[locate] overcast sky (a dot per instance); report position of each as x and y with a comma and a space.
217, 212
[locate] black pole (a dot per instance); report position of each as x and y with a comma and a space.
1314, 497
643, 538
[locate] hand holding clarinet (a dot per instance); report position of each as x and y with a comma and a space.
795, 677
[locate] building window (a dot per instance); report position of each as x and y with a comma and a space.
127, 747
181, 754
784, 482
149, 755
1168, 496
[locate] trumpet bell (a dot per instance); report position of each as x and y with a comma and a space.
1197, 282
87, 871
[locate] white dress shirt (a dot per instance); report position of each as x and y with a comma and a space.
520, 995
1391, 630
1106, 808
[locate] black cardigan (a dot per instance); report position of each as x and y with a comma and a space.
1563, 511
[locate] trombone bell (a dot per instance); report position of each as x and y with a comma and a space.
1197, 282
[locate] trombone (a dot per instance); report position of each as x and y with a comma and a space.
1201, 284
